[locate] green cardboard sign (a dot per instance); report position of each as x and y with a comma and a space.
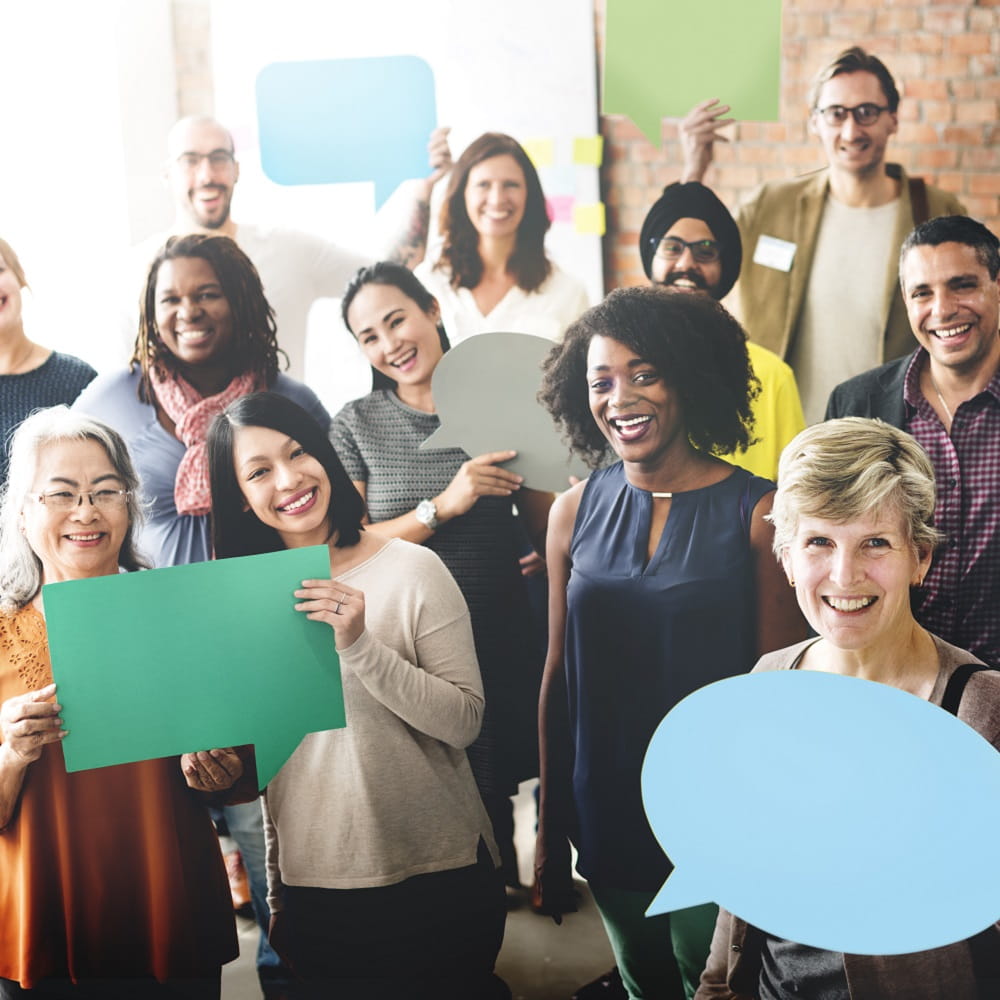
661, 58
187, 658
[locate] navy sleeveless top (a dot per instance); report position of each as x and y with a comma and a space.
639, 638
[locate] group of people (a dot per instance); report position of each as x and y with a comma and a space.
379, 853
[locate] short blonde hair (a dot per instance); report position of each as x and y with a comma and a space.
12, 261
843, 469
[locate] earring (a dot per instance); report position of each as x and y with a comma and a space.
791, 582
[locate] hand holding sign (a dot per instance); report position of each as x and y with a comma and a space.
485, 392
839, 794
171, 661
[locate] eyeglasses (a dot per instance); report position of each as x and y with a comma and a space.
703, 251
217, 159
68, 499
864, 114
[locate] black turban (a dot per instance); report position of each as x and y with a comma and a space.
693, 201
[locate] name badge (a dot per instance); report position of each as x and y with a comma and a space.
772, 252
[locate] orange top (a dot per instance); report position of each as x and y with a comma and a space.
113, 872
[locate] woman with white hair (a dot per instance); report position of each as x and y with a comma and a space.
111, 881
853, 531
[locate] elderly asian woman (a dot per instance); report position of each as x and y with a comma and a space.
853, 531
111, 880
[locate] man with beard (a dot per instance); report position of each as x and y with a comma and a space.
296, 268
690, 242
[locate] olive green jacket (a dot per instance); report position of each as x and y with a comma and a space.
770, 300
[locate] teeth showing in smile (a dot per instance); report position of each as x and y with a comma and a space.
849, 603
85, 538
409, 356
191, 334
956, 332
301, 502
628, 422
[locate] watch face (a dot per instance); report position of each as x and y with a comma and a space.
427, 513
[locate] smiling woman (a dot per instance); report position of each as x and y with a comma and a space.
80, 925
647, 559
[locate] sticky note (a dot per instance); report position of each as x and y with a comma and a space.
588, 150
560, 207
541, 152
589, 218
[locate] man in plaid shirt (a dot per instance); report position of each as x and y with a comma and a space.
947, 395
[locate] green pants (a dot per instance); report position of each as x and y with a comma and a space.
659, 958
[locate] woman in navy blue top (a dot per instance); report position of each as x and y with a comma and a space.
661, 580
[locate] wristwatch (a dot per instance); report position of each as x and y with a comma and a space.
427, 514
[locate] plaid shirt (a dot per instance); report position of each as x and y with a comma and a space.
960, 598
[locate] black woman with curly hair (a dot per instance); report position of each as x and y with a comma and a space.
661, 580
206, 337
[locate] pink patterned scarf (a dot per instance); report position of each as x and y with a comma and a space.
192, 414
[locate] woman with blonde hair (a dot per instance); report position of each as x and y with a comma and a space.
853, 519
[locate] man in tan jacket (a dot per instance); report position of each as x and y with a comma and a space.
819, 282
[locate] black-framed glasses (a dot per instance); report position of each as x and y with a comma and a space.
217, 159
102, 499
864, 114
703, 251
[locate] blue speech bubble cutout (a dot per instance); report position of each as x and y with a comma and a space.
832, 811
330, 121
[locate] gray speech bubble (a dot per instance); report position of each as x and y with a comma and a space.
485, 394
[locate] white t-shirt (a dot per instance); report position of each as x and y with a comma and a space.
545, 312
844, 311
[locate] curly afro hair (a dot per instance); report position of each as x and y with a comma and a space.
697, 347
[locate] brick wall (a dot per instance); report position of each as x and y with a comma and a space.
944, 55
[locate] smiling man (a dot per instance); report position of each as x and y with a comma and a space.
810, 238
296, 267
690, 242
947, 395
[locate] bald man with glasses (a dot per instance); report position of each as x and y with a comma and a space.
819, 281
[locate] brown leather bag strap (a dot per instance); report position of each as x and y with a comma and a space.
918, 200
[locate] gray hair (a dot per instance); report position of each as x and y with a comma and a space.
844, 469
20, 568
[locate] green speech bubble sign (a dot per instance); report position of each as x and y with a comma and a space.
662, 58
186, 658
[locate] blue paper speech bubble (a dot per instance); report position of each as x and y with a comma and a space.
330, 121
824, 803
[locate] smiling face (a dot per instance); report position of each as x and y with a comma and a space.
284, 486
954, 307
397, 337
10, 299
85, 540
852, 581
495, 196
202, 172
193, 316
632, 405
685, 273
849, 147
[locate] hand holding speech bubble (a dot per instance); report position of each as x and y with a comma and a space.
213, 654
485, 393
329, 121
814, 805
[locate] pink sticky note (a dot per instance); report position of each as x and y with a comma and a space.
560, 207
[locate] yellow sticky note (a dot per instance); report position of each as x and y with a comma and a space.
541, 152
589, 218
588, 150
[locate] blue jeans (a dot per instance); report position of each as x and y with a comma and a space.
246, 827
